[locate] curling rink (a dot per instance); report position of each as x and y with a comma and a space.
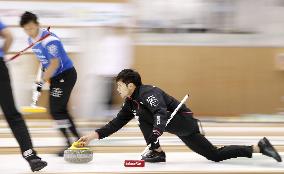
181, 162
127, 144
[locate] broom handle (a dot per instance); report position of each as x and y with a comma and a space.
38, 80
171, 117
30, 46
39, 74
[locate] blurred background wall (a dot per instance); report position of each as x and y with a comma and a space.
226, 53
220, 80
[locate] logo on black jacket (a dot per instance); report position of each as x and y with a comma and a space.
152, 100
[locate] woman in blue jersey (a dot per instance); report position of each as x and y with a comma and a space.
13, 117
58, 70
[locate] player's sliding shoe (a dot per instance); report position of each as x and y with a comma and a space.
34, 161
267, 149
154, 156
37, 164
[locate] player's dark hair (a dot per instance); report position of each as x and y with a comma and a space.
129, 76
28, 17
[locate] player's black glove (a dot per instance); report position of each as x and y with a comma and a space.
153, 139
38, 86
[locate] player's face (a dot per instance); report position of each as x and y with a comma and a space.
124, 90
31, 29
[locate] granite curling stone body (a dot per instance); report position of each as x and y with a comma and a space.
74, 154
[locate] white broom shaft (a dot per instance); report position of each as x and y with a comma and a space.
39, 74
171, 117
177, 108
38, 79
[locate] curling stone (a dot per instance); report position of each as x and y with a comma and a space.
77, 154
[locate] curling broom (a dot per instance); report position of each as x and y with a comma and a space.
33, 108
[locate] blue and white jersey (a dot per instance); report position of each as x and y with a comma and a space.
2, 26
51, 48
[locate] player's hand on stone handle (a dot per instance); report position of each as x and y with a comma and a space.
85, 140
